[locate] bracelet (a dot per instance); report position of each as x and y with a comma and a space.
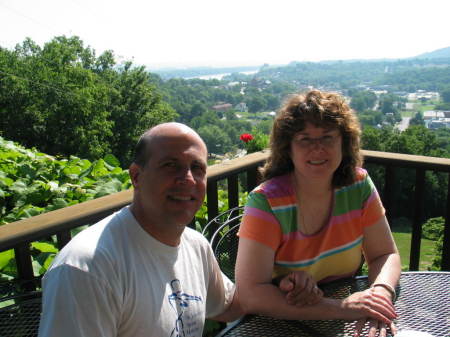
388, 287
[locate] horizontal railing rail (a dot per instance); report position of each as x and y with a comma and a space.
237, 174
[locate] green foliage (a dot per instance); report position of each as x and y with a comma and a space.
259, 142
433, 229
64, 100
417, 119
363, 100
33, 182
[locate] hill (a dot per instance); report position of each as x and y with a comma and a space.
438, 53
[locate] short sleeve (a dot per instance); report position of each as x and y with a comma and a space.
373, 208
220, 289
259, 223
77, 304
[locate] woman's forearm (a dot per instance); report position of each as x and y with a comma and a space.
385, 269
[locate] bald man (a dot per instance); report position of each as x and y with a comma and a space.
141, 271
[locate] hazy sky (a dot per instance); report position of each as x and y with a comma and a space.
234, 32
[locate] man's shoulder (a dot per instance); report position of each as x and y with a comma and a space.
193, 235
96, 243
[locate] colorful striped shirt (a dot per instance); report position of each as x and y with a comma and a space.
335, 251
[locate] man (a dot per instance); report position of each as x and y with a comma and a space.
140, 271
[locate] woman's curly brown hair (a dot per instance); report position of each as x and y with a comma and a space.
321, 109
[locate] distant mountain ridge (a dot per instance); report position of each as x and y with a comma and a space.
438, 53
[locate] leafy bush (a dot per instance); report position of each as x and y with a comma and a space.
32, 183
433, 229
255, 142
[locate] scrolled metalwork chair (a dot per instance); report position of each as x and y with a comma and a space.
20, 308
224, 241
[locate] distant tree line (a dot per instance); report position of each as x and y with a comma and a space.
64, 100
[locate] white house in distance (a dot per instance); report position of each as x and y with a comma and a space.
436, 119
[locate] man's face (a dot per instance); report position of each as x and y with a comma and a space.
171, 187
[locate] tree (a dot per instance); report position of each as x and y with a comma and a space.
445, 94
417, 119
216, 140
64, 100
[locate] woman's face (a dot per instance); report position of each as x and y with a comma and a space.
316, 152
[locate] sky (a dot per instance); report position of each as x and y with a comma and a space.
221, 33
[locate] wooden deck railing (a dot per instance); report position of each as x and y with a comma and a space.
20, 234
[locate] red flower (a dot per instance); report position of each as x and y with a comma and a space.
246, 137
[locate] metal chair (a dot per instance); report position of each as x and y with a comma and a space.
224, 240
20, 308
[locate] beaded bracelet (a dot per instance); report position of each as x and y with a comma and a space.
388, 287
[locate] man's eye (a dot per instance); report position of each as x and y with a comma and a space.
169, 164
199, 168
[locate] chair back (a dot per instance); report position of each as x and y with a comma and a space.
20, 315
224, 241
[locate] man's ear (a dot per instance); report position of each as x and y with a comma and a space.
134, 171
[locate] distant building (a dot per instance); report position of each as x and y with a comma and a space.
436, 119
241, 107
222, 107
431, 114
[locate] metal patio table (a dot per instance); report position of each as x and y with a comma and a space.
423, 303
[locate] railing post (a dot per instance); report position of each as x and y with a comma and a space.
389, 180
252, 178
24, 265
233, 191
212, 199
418, 218
445, 265
63, 238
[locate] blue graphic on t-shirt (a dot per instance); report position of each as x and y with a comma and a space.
179, 301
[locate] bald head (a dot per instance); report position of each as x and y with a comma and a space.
157, 134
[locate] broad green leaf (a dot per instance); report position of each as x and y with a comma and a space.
19, 187
99, 168
4, 180
59, 203
111, 160
6, 257
37, 267
109, 187
44, 247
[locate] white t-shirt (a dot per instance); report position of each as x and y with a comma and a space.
115, 280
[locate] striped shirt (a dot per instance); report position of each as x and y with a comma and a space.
335, 251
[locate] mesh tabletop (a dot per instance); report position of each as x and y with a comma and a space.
423, 304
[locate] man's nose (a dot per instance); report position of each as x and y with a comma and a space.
185, 176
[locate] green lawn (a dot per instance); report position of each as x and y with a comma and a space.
403, 241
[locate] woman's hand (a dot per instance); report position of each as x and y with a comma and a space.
375, 304
375, 325
301, 289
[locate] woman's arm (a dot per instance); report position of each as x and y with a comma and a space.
258, 295
381, 255
384, 265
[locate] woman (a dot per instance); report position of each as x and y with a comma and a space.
313, 216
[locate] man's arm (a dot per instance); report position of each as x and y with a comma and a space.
232, 313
